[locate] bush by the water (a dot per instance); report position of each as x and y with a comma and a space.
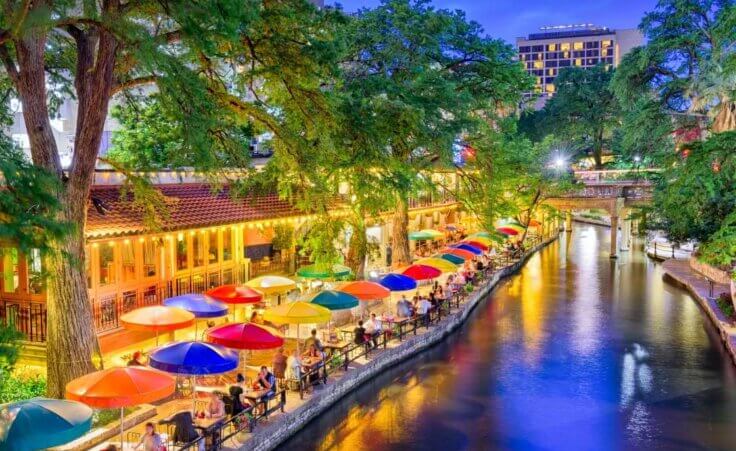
19, 387
725, 304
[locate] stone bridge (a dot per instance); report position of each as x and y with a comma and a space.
616, 192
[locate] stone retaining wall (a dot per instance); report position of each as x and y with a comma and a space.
711, 272
279, 429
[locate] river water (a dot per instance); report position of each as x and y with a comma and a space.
577, 351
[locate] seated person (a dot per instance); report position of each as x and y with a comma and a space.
294, 366
266, 381
236, 393
279, 364
423, 309
359, 334
372, 329
216, 407
403, 308
316, 360
137, 359
313, 340
184, 431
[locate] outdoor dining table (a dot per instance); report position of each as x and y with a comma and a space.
332, 347
255, 395
210, 428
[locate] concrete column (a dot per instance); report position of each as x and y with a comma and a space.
568, 221
625, 235
614, 236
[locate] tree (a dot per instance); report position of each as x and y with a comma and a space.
583, 111
422, 77
260, 63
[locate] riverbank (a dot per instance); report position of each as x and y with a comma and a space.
269, 436
682, 274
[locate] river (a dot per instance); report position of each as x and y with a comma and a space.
576, 351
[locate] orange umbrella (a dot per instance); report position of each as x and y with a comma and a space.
121, 387
157, 318
534, 223
365, 290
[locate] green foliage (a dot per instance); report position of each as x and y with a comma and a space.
103, 417
720, 249
20, 387
584, 111
283, 238
725, 303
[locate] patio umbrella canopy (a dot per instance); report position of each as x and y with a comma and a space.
316, 272
421, 272
438, 263
297, 312
199, 305
462, 253
482, 234
507, 231
479, 239
476, 244
467, 247
452, 258
245, 336
335, 300
40, 423
366, 290
233, 294
193, 358
157, 318
272, 284
434, 233
398, 282
419, 236
534, 223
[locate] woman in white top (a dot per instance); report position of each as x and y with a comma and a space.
293, 366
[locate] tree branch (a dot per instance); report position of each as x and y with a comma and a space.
133, 82
9, 64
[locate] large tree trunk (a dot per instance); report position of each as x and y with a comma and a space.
401, 255
358, 250
598, 150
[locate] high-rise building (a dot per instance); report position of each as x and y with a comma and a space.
583, 45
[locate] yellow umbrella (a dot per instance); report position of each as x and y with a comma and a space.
271, 284
437, 263
297, 312
481, 239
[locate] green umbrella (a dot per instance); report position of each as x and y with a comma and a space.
452, 258
335, 300
320, 272
417, 236
483, 234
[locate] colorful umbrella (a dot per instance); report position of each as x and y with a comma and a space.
199, 305
233, 294
398, 282
452, 258
438, 263
193, 358
467, 247
317, 272
335, 300
272, 284
483, 234
436, 234
507, 231
421, 272
121, 387
479, 239
245, 336
297, 312
366, 290
476, 244
41, 423
462, 253
419, 236
534, 223
157, 318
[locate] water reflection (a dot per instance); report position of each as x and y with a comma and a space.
576, 352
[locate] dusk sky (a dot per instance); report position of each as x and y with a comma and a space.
508, 19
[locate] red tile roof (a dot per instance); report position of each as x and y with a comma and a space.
190, 205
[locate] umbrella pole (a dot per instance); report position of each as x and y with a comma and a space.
194, 396
196, 337
157, 338
122, 443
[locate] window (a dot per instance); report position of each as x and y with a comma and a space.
524, 48
198, 249
10, 269
550, 64
577, 46
566, 54
213, 249
578, 62
227, 244
181, 253
551, 72
591, 45
149, 258
591, 53
565, 46
565, 63
107, 263
538, 64
36, 283
128, 261
538, 48
540, 56
550, 88
606, 43
551, 47
592, 61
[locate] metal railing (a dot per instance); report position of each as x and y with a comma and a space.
29, 318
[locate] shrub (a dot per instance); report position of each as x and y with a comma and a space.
725, 304
19, 387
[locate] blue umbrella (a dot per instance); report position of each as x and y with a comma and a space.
40, 423
398, 282
335, 300
468, 248
200, 305
193, 358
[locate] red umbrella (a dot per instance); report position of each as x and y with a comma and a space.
507, 231
233, 294
245, 336
421, 272
462, 253
477, 244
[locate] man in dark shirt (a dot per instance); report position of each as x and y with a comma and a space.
359, 334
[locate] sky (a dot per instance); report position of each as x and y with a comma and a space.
508, 19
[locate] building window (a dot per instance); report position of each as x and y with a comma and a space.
550, 63
227, 244
524, 48
551, 72
149, 258
198, 249
36, 282
550, 88
181, 253
566, 54
565, 63
606, 43
577, 46
538, 64
213, 248
565, 46
107, 263
10, 269
578, 62
128, 260
551, 47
